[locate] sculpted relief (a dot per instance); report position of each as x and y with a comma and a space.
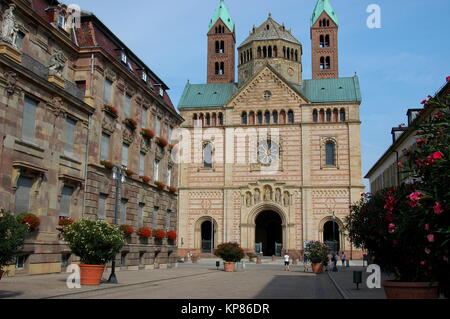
266, 194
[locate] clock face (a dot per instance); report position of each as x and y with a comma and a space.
268, 152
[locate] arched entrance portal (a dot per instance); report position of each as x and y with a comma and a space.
269, 233
207, 235
331, 236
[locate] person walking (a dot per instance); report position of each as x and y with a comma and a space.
286, 262
343, 259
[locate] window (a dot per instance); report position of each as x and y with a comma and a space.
161, 91
207, 155
155, 217
101, 214
107, 93
142, 164
167, 220
144, 76
328, 115
127, 103
18, 41
125, 149
29, 119
327, 41
70, 129
130, 67
260, 118
156, 171
282, 119
322, 63
104, 154
123, 260
220, 119
275, 117
123, 211
244, 118
123, 57
169, 177
140, 217
20, 262
62, 21
342, 115
158, 126
327, 63
170, 131
66, 199
291, 117
267, 117
144, 117
22, 196
315, 116
330, 149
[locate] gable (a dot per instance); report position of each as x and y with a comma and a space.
252, 93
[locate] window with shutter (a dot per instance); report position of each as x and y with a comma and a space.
101, 214
29, 120
70, 133
22, 196
105, 147
66, 199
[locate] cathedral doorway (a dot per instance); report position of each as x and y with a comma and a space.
207, 237
331, 236
269, 233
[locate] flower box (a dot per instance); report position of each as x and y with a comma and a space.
160, 185
162, 141
159, 234
127, 230
146, 179
147, 133
130, 172
107, 164
30, 220
171, 235
132, 123
112, 110
173, 190
144, 233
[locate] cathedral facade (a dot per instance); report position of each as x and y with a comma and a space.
270, 160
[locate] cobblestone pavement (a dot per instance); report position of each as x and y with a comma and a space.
187, 281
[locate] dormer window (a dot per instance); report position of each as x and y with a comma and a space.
61, 21
144, 76
161, 91
124, 58
130, 67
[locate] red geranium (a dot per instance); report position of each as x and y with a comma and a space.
127, 230
144, 232
160, 234
31, 220
64, 222
146, 179
162, 141
148, 133
171, 235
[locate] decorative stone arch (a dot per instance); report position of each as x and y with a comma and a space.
248, 230
340, 230
198, 231
323, 154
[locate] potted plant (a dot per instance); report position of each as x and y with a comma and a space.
132, 123
407, 229
146, 179
64, 222
317, 253
148, 133
130, 173
162, 141
171, 235
12, 234
159, 234
231, 253
107, 164
160, 185
111, 110
144, 233
127, 230
96, 243
173, 190
30, 220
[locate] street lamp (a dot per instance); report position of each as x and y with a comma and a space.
119, 177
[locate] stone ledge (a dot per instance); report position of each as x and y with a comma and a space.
10, 52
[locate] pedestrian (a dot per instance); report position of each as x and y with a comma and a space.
343, 259
286, 262
305, 262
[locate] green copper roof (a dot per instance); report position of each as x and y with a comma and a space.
321, 6
207, 95
222, 12
316, 91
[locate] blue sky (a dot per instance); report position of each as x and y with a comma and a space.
398, 65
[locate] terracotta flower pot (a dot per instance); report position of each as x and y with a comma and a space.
258, 260
317, 268
229, 267
1, 274
411, 290
194, 259
91, 275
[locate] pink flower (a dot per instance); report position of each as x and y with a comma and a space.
438, 209
391, 228
423, 263
400, 164
414, 198
427, 251
437, 155
427, 227
431, 238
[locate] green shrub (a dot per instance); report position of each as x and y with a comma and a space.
317, 252
230, 252
95, 242
12, 236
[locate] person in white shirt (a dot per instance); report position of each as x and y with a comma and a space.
286, 262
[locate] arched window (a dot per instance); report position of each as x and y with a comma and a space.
217, 47
296, 55
214, 119
327, 63
292, 54
244, 118
275, 117
267, 117
251, 54
222, 68
195, 118
220, 119
260, 118
217, 30
335, 115
202, 119
208, 119
264, 52
284, 52
342, 115
248, 55
327, 41
322, 63
288, 54
275, 51
282, 119
222, 47
251, 118
217, 68
322, 116
315, 116
328, 115
242, 58
322, 41
330, 153
259, 52
320, 23
291, 117
207, 155
328, 23
270, 51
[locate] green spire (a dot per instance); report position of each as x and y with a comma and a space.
321, 6
222, 12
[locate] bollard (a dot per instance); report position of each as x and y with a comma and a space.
357, 278
347, 263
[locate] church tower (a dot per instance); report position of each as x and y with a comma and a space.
324, 41
221, 46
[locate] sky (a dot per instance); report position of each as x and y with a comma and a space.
398, 64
